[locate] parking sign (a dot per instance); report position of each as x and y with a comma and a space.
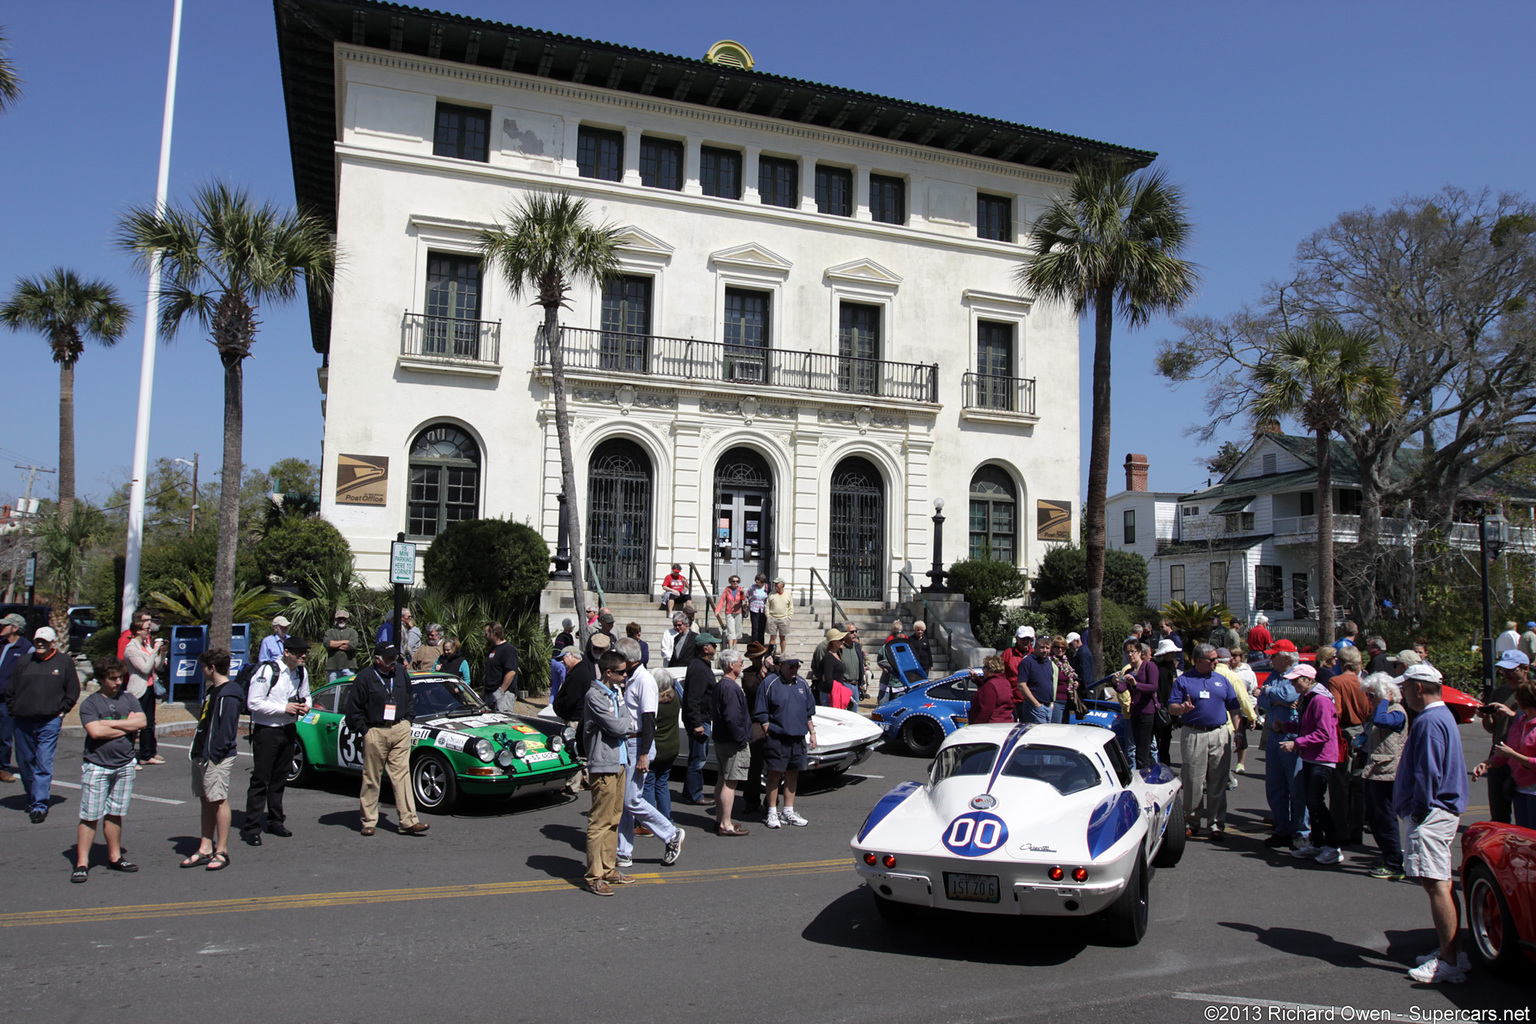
402, 562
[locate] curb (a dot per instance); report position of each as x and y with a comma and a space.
161, 729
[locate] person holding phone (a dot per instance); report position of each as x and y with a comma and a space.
145, 657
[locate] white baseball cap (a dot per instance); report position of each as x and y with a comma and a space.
1427, 673
45, 633
1074, 636
1024, 631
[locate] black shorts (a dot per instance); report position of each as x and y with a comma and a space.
784, 753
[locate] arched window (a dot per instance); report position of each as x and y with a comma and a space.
994, 516
445, 480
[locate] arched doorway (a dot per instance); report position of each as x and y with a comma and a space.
742, 538
619, 517
857, 543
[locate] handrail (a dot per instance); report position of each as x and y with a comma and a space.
839, 616
591, 574
709, 599
905, 582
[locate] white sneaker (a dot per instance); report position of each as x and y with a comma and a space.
794, 819
625, 862
1329, 855
674, 848
1438, 972
1299, 840
1308, 852
772, 820
1463, 962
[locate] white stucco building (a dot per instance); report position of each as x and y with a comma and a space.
817, 332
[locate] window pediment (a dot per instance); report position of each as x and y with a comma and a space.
864, 272
752, 258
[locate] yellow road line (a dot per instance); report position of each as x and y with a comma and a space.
305, 901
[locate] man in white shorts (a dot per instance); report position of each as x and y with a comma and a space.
1430, 791
112, 719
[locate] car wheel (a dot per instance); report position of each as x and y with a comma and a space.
922, 736
1172, 849
300, 771
1495, 944
433, 783
1126, 919
893, 912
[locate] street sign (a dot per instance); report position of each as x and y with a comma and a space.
31, 571
402, 562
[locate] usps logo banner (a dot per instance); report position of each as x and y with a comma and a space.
1053, 520
361, 479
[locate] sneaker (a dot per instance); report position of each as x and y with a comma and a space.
625, 862
674, 848
1241, 769
1308, 852
1231, 785
1463, 962
1329, 855
1390, 874
790, 816
772, 818
1299, 840
1438, 972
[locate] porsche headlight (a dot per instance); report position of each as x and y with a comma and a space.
569, 734
504, 758
556, 744
520, 749
483, 750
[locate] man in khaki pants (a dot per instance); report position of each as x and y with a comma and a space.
606, 727
379, 710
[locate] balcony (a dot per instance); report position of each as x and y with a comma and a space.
648, 355
1346, 530
992, 398
445, 344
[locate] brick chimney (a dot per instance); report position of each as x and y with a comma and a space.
1135, 472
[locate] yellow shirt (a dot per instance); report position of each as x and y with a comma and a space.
1244, 698
780, 605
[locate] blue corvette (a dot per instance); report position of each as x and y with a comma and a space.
921, 718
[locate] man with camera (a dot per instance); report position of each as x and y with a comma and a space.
278, 695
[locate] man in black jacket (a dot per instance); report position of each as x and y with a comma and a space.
213, 758
43, 689
696, 686
378, 712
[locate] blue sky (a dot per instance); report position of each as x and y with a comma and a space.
1274, 117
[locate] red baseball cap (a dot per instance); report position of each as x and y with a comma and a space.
1282, 645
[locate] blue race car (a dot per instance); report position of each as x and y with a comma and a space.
922, 717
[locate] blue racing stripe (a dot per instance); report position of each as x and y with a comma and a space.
1006, 749
886, 805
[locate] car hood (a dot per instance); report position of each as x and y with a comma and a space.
836, 728
446, 728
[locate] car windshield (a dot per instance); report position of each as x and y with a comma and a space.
964, 759
443, 696
1066, 770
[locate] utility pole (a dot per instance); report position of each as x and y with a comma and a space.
32, 472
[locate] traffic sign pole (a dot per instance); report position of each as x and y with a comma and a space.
402, 571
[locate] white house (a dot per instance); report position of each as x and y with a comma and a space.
816, 336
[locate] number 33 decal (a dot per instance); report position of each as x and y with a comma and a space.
349, 747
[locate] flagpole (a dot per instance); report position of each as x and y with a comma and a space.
147, 365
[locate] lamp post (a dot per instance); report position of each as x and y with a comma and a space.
1492, 532
192, 516
936, 574
562, 571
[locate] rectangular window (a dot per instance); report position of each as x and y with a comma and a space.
626, 324
720, 172
461, 132
600, 154
1130, 527
661, 163
1269, 588
1190, 510
994, 217
1219, 583
834, 191
1308, 503
746, 335
1300, 593
452, 326
994, 365
858, 345
887, 199
778, 181
992, 529
1347, 503
1175, 583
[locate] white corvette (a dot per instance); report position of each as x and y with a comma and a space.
1045, 820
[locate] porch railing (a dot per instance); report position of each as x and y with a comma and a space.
451, 339
1002, 394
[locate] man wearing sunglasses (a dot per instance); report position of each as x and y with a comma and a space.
1206, 705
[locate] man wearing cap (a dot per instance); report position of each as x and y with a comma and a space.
1316, 743
605, 627
1511, 670
1081, 659
780, 608
43, 689
1207, 705
700, 679
15, 647
1023, 643
786, 709
1259, 637
1278, 700
341, 644
378, 711
565, 659
278, 695
272, 644
1430, 790
500, 670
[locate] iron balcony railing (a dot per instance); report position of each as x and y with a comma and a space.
1004, 394
688, 359
451, 339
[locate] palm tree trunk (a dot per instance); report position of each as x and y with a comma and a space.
567, 463
66, 442
1324, 537
1098, 470
223, 612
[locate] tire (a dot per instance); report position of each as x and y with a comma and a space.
433, 784
922, 735
893, 912
1495, 943
1172, 849
1125, 920
301, 771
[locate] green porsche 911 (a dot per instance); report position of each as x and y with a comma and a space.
461, 746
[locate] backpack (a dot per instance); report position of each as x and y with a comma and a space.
571, 698
243, 681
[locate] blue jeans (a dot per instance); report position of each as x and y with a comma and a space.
7, 731
637, 810
1059, 713
693, 781
1041, 714
657, 788
1525, 810
1282, 787
36, 740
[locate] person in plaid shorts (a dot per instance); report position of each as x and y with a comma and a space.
112, 718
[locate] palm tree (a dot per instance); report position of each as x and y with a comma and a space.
1323, 374
1112, 242
67, 311
221, 259
10, 82
548, 246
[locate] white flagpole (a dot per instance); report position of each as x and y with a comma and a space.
147, 366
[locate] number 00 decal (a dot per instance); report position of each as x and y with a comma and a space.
975, 834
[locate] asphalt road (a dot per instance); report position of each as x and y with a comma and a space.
482, 917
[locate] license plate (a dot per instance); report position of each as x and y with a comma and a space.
975, 888
546, 756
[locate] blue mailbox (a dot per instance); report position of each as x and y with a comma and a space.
239, 647
187, 642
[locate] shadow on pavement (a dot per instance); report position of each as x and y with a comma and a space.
852, 922
570, 835
1322, 946
560, 867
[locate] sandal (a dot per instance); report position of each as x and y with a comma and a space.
217, 862
122, 864
157, 759
197, 860
80, 874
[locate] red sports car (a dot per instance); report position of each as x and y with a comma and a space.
1498, 879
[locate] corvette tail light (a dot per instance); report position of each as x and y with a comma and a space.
869, 859
1056, 874
1079, 874
889, 860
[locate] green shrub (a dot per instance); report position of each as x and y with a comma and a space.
294, 549
505, 564
988, 584
1068, 613
1064, 570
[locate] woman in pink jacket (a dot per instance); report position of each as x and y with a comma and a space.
1317, 745
1519, 752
